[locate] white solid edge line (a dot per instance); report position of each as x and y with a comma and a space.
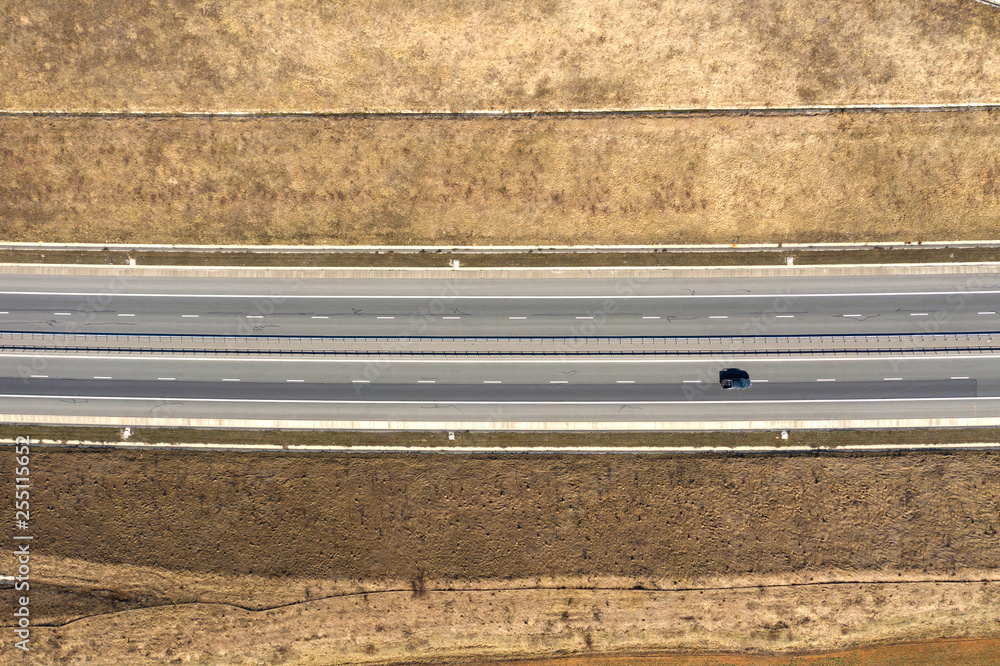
625, 381
496, 402
361, 381
978, 292
826, 380
426, 381
230, 380
761, 381
492, 381
892, 379
295, 381
102, 377
166, 379
39, 376
959, 378
691, 381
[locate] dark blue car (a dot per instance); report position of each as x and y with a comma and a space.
734, 378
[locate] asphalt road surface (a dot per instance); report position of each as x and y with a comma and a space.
226, 384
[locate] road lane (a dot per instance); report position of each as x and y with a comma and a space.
616, 390
516, 307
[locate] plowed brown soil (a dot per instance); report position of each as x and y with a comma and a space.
402, 558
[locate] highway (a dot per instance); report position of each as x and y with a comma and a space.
490, 352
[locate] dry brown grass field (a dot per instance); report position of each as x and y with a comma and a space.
844, 177
384, 55
236, 558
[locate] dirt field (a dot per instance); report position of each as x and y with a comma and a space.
505, 555
926, 653
532, 54
849, 177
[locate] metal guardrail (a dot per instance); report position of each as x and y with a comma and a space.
502, 249
506, 353
523, 346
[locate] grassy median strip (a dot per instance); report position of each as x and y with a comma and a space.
535, 54
829, 438
590, 180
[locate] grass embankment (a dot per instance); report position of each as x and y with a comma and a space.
535, 54
605, 180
